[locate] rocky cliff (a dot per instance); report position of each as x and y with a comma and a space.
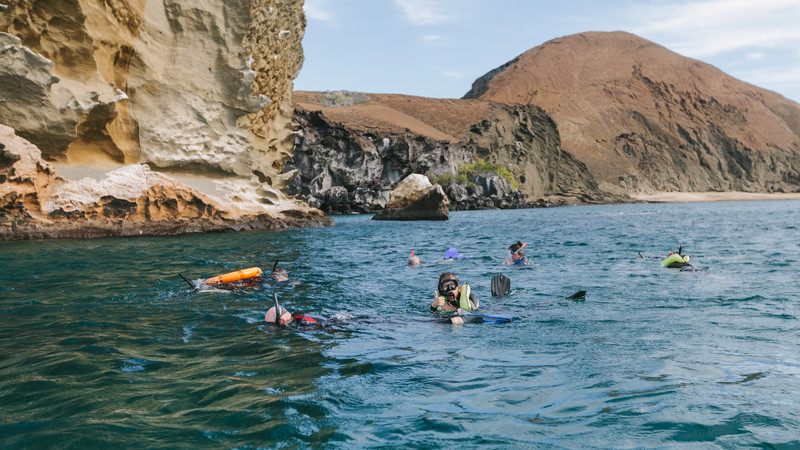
643, 118
351, 156
200, 88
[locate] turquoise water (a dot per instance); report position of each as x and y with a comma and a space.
102, 344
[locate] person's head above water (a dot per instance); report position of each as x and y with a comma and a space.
272, 316
516, 253
452, 296
517, 248
279, 275
413, 260
451, 253
448, 285
277, 314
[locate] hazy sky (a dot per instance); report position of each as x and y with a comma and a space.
437, 48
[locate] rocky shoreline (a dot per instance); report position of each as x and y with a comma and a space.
341, 168
132, 200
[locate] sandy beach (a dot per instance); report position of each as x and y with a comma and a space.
677, 197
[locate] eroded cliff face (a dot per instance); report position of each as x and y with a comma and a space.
350, 158
201, 88
36, 203
200, 85
593, 117
524, 139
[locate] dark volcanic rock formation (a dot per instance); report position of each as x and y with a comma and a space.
350, 158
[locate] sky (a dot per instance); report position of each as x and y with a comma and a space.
437, 48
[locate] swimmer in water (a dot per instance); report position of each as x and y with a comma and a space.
516, 254
279, 316
451, 296
676, 260
413, 260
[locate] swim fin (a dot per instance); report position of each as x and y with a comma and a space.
483, 318
501, 286
580, 295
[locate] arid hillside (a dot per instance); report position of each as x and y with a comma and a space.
642, 117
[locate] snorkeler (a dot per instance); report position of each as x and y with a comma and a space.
413, 260
239, 280
451, 296
516, 254
460, 301
676, 261
278, 315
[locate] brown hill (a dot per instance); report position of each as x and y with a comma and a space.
643, 118
440, 119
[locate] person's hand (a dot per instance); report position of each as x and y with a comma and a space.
438, 301
457, 320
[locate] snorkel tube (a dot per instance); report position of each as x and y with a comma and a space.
278, 312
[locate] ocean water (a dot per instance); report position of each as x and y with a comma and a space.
103, 345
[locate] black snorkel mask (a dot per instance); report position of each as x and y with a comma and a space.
446, 286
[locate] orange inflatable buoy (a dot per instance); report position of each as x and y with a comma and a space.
234, 276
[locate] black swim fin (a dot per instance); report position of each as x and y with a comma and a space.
501, 286
580, 295
187, 280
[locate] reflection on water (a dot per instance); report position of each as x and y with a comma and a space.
102, 344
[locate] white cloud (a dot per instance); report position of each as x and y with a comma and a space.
699, 28
453, 74
785, 76
433, 38
319, 10
754, 56
428, 12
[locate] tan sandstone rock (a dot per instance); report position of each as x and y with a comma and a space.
132, 200
198, 88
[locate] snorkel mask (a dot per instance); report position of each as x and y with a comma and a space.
518, 251
447, 286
